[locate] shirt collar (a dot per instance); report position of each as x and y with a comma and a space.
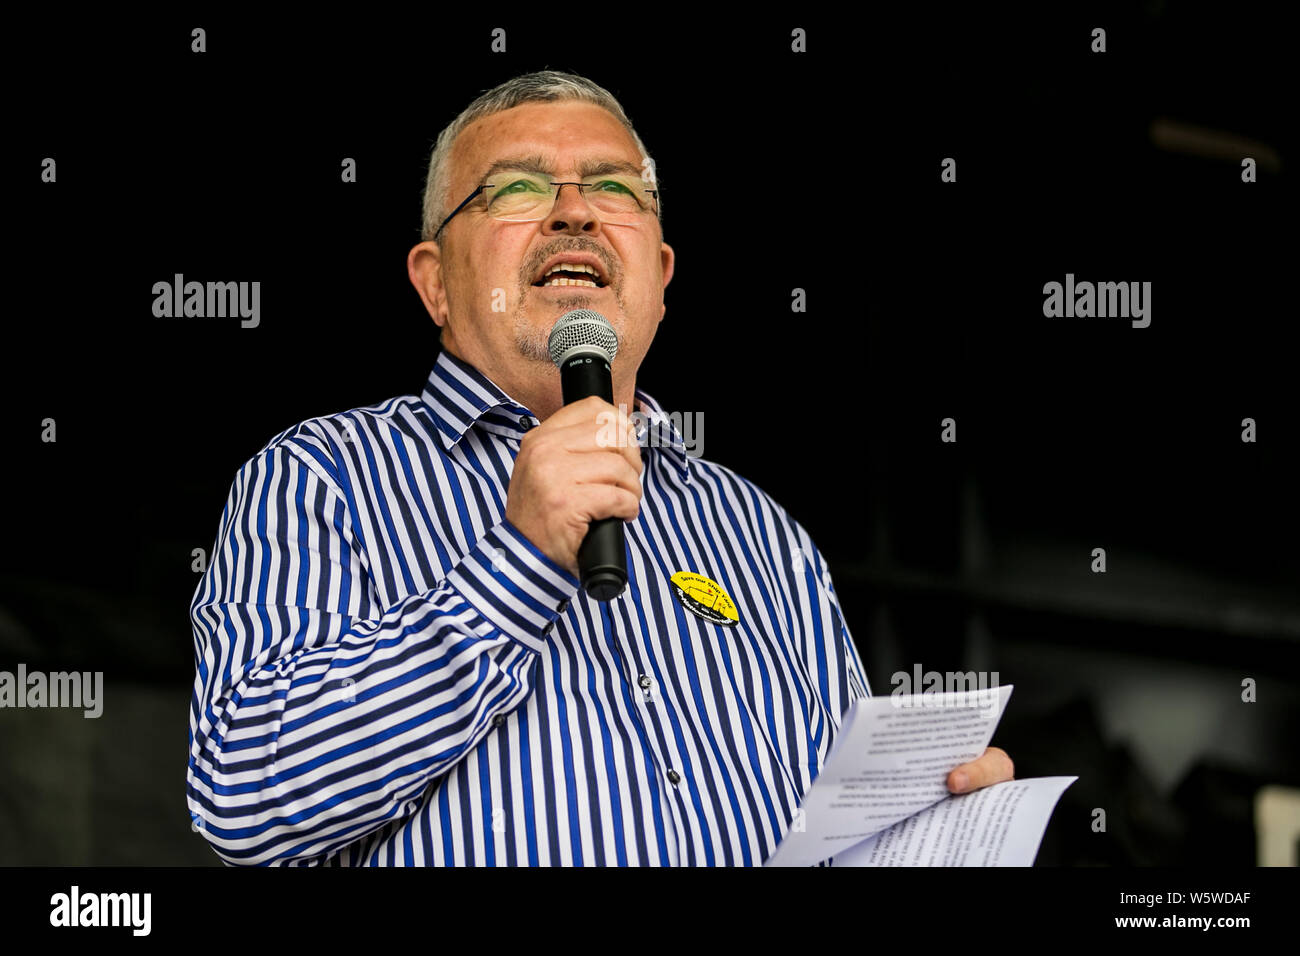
658, 430
459, 397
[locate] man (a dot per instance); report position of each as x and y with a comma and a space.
395, 662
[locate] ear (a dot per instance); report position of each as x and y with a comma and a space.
667, 260
424, 267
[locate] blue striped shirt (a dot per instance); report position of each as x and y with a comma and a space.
389, 673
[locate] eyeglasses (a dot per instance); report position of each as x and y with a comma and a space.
528, 197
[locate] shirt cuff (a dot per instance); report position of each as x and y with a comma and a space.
513, 586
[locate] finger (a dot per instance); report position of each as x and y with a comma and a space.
577, 411
607, 469
614, 432
993, 766
585, 410
607, 501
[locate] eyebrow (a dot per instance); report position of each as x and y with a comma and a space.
538, 164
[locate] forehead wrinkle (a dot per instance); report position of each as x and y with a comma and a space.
536, 163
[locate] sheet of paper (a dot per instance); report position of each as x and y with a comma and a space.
1001, 825
891, 760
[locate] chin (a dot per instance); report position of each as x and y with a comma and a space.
570, 302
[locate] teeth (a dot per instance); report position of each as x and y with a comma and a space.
572, 267
563, 281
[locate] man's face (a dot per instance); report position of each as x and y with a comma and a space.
486, 296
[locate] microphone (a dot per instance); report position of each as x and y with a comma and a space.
582, 344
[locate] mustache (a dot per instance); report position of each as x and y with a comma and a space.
531, 268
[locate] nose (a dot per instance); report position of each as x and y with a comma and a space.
571, 213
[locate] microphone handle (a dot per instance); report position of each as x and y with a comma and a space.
602, 559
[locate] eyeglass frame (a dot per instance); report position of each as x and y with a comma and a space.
558, 186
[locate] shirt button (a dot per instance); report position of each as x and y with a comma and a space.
674, 777
644, 682
498, 720
563, 606
547, 628
525, 422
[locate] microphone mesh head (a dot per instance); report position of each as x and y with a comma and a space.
582, 328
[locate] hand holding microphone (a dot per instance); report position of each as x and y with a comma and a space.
572, 488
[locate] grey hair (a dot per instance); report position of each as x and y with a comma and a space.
545, 86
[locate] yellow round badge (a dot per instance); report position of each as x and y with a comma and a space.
705, 598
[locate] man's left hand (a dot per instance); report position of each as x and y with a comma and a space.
993, 767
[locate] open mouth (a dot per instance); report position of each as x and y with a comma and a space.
571, 274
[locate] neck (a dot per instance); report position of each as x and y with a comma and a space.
537, 385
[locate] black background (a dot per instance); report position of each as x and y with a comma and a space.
924, 301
